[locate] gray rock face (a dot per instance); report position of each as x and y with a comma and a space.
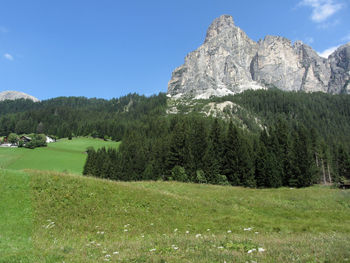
277, 63
230, 62
14, 95
340, 65
220, 66
317, 69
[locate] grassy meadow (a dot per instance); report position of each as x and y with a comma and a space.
62, 156
50, 216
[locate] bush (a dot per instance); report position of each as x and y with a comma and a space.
222, 179
178, 173
200, 177
20, 144
12, 138
38, 140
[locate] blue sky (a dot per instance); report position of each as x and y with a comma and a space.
108, 48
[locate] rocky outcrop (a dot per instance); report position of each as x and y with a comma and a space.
14, 95
340, 66
220, 66
230, 62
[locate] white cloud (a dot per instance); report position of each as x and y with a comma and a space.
328, 25
8, 56
327, 52
322, 9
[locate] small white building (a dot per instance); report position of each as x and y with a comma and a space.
49, 139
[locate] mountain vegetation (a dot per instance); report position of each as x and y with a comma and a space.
301, 139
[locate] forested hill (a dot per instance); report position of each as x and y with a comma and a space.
279, 135
65, 116
328, 114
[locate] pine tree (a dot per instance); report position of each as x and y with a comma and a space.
304, 172
213, 157
343, 163
230, 160
198, 145
177, 147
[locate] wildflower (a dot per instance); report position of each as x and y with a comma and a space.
151, 250
260, 249
115, 253
108, 256
251, 250
125, 230
175, 230
50, 225
220, 247
229, 231
248, 229
187, 232
256, 232
198, 235
208, 229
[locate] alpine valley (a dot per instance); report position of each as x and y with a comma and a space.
241, 160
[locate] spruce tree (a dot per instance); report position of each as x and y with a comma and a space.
213, 157
177, 148
343, 163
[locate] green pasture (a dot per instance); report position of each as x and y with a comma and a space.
62, 156
16, 217
54, 216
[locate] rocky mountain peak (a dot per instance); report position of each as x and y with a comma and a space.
14, 95
220, 24
230, 62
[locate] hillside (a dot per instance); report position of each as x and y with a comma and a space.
77, 219
79, 116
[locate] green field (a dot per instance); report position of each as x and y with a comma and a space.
48, 216
63, 156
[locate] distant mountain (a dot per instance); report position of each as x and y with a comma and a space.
14, 95
229, 62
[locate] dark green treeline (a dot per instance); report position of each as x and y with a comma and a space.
202, 150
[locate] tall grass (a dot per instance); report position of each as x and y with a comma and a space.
176, 222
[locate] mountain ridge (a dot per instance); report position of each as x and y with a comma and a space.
229, 62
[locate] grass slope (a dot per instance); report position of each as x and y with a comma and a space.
16, 221
62, 156
59, 217
79, 219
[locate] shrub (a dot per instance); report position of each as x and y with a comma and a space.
178, 173
200, 177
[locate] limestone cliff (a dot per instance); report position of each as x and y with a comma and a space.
230, 62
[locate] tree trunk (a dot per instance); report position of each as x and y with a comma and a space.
324, 173
329, 173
